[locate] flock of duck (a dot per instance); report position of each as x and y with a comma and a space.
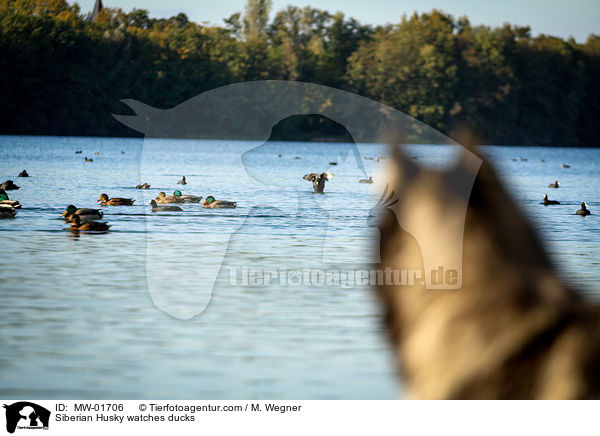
584, 211
87, 219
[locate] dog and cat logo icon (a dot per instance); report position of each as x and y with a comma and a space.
26, 415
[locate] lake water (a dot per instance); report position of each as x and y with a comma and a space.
133, 313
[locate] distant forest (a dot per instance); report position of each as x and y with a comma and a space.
63, 71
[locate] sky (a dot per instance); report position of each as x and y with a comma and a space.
564, 18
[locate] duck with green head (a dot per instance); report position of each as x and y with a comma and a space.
163, 198
5, 202
212, 203
84, 214
187, 198
115, 201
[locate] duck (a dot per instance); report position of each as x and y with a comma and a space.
143, 186
565, 166
318, 181
78, 151
115, 201
584, 211
332, 163
211, 203
547, 202
7, 212
9, 186
84, 214
89, 159
162, 198
97, 153
157, 208
369, 180
187, 198
5, 202
554, 185
90, 226
182, 181
23, 174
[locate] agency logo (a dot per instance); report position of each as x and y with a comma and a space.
26, 415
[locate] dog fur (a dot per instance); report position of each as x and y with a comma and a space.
514, 330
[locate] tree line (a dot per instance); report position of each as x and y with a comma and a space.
64, 73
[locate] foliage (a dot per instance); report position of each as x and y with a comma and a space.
65, 74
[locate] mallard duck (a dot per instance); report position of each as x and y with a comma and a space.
7, 212
78, 151
547, 202
554, 185
211, 203
9, 186
23, 174
565, 166
162, 198
143, 186
318, 181
182, 181
89, 159
369, 180
84, 214
115, 201
90, 226
6, 202
157, 208
584, 210
187, 198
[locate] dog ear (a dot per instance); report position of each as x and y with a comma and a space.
143, 119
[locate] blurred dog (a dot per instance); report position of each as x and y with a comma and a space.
514, 330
